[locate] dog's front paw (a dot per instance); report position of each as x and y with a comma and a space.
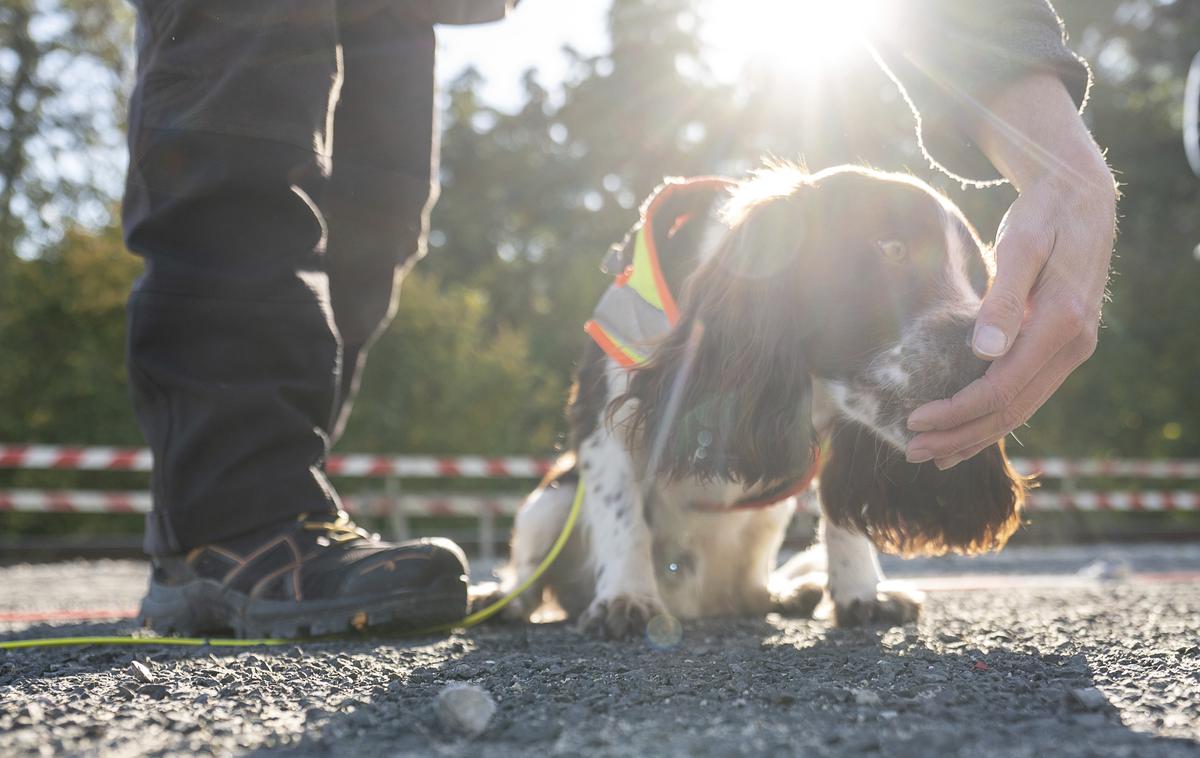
798, 600
621, 616
887, 608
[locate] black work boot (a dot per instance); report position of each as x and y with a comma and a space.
307, 576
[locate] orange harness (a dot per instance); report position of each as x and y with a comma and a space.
639, 296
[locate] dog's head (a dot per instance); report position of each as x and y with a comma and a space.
866, 282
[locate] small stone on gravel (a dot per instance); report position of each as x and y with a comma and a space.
1089, 698
141, 672
866, 697
465, 708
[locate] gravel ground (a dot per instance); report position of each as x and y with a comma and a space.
1099, 668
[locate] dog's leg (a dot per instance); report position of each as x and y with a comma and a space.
854, 578
798, 597
620, 541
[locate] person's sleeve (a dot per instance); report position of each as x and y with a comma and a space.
455, 12
949, 56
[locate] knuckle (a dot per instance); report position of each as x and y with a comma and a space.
1000, 394
1073, 316
1023, 239
1005, 305
1084, 346
959, 409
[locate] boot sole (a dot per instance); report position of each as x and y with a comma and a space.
203, 606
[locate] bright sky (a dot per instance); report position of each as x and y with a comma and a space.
732, 32
532, 37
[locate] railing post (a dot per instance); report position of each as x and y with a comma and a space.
487, 535
396, 516
1077, 518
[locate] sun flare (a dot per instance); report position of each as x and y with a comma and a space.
795, 38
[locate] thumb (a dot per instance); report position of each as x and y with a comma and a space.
1019, 258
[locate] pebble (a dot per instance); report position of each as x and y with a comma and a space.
465, 708
141, 672
866, 697
1089, 698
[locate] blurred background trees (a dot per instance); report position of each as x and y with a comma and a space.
480, 357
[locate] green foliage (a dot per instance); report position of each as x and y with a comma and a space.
62, 334
441, 381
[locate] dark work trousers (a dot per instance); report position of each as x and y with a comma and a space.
279, 182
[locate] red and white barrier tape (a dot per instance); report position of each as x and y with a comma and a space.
76, 501
1061, 468
524, 467
39, 501
416, 466
75, 458
422, 466
1179, 500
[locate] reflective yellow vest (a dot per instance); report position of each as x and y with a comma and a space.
639, 307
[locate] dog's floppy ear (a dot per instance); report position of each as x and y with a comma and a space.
727, 394
915, 509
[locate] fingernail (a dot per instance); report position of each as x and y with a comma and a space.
945, 463
918, 455
990, 341
917, 422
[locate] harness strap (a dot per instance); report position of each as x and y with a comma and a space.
769, 498
623, 354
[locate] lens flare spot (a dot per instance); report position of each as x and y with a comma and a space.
664, 631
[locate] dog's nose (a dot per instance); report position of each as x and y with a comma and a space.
967, 366
971, 367
962, 365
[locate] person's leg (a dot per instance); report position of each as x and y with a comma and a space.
232, 349
377, 201
234, 354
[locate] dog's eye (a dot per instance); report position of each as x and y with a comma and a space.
893, 251
679, 567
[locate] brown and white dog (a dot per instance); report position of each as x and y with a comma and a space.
816, 310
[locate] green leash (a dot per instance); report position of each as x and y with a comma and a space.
473, 619
176, 641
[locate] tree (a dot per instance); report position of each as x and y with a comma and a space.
61, 110
441, 381
62, 332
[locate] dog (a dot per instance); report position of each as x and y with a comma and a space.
815, 312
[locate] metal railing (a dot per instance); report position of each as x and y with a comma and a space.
397, 506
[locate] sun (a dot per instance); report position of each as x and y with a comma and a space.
791, 38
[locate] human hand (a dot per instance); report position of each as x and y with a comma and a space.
1040, 318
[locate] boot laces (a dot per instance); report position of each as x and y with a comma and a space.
341, 529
